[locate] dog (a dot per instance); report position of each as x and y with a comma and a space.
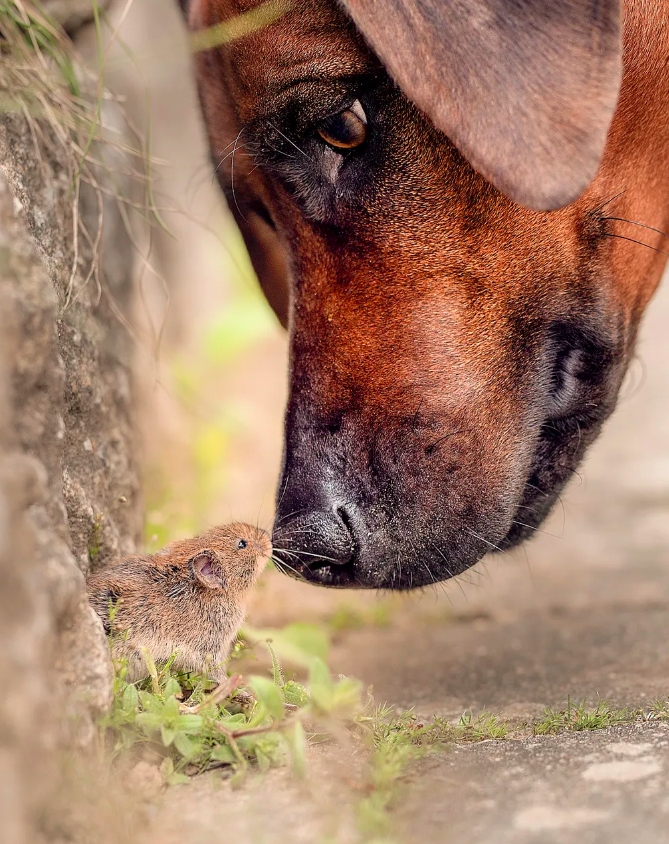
457, 208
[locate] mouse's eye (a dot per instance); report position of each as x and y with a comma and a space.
241, 544
345, 130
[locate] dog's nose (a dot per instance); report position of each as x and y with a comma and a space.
313, 539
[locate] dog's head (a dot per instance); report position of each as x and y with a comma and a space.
409, 178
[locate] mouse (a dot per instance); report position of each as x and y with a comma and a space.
189, 599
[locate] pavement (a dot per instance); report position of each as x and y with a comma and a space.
599, 787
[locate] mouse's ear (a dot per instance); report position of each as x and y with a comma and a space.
525, 90
207, 570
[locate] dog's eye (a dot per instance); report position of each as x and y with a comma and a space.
241, 544
345, 130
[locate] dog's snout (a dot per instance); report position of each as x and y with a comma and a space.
313, 539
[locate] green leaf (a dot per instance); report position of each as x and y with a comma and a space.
222, 753
234, 720
346, 697
321, 686
184, 745
295, 693
171, 708
269, 696
237, 779
297, 643
149, 721
268, 742
150, 702
277, 673
150, 664
172, 688
190, 723
130, 700
166, 768
169, 775
297, 745
167, 735
263, 761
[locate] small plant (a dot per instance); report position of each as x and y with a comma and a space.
397, 742
195, 725
580, 717
395, 745
482, 727
659, 711
95, 538
37, 33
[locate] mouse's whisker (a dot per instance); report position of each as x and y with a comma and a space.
317, 556
301, 530
301, 522
283, 567
284, 553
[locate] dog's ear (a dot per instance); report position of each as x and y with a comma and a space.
525, 89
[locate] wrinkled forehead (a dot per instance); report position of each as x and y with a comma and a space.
312, 41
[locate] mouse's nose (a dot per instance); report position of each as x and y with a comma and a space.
313, 538
262, 543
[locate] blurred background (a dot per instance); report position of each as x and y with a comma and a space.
212, 356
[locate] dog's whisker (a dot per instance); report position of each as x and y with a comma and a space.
641, 225
292, 143
448, 569
429, 573
232, 174
606, 202
234, 147
292, 557
282, 152
639, 242
538, 530
299, 553
483, 539
432, 446
286, 516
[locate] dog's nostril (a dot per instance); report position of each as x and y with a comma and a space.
315, 539
345, 520
567, 348
333, 425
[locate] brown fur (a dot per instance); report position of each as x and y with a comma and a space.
188, 598
453, 352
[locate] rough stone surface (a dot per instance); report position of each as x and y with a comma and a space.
596, 787
69, 486
71, 404
24, 633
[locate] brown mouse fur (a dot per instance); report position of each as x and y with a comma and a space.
189, 598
